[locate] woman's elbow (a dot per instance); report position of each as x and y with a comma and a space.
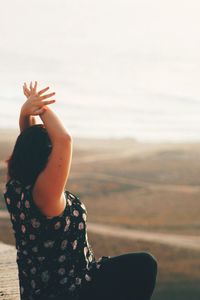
66, 138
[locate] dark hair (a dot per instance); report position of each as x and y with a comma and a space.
30, 154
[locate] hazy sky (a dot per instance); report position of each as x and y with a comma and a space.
120, 68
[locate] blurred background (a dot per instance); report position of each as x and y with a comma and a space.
126, 76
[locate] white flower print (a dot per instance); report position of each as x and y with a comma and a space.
72, 287
33, 270
74, 244
64, 244
84, 216
90, 257
63, 280
8, 200
37, 292
80, 226
61, 258
86, 238
61, 271
35, 249
25, 252
33, 283
76, 213
27, 204
35, 223
87, 277
67, 219
25, 274
22, 196
41, 258
69, 202
85, 250
45, 276
23, 242
98, 266
66, 227
13, 217
21, 289
71, 272
22, 216
57, 225
72, 196
49, 244
78, 280
18, 204
23, 228
83, 205
29, 261
31, 237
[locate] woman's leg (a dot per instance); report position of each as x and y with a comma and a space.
130, 276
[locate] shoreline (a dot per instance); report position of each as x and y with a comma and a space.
7, 134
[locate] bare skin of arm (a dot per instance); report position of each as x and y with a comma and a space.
26, 121
48, 190
31, 107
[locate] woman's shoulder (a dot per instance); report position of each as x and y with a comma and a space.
14, 186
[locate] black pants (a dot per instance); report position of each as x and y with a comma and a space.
130, 276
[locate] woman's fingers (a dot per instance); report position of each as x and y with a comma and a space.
48, 102
35, 87
41, 103
40, 110
37, 98
42, 91
26, 87
26, 91
47, 96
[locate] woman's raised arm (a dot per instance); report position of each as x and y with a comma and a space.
50, 183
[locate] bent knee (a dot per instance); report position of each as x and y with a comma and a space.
150, 262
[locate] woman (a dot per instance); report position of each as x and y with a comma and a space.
54, 257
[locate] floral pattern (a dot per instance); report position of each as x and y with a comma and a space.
54, 256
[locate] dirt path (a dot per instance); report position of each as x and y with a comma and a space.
140, 183
123, 151
182, 241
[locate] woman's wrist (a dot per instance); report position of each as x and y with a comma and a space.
25, 120
23, 111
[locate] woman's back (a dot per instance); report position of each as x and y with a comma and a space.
53, 254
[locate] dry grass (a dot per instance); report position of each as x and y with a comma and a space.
156, 189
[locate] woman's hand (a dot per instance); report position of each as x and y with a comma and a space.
34, 104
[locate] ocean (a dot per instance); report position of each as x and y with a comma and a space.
120, 68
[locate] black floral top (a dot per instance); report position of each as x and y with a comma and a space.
54, 256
